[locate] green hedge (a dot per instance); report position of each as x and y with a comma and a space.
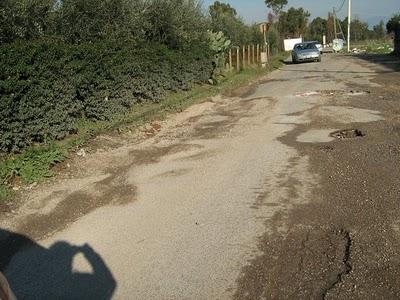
45, 86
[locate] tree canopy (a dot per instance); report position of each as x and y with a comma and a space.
219, 8
393, 24
224, 18
293, 23
379, 29
276, 5
317, 28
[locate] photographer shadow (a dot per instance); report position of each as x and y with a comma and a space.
36, 272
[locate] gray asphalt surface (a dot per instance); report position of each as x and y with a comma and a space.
245, 196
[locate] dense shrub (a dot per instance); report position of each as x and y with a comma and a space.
65, 60
45, 86
25, 19
176, 23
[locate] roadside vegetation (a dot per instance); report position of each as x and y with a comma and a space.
72, 69
386, 44
37, 163
374, 47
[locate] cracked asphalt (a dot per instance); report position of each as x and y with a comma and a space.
286, 189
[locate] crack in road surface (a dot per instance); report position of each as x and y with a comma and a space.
347, 267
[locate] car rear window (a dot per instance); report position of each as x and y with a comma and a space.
305, 46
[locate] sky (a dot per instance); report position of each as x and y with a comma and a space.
371, 11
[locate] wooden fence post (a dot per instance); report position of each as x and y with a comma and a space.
237, 59
252, 53
269, 52
230, 60
248, 55
244, 56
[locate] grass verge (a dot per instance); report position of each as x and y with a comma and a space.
374, 47
36, 163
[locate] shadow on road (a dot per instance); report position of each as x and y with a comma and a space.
337, 71
35, 272
388, 61
286, 62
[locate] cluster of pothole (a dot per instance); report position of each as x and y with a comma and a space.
333, 93
347, 134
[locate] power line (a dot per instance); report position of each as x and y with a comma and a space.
340, 6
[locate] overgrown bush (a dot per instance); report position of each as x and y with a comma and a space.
61, 61
45, 86
176, 23
25, 19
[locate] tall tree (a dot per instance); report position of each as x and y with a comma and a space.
393, 24
276, 5
318, 27
224, 18
219, 8
293, 23
359, 30
330, 28
379, 30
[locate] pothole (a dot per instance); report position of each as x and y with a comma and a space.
332, 93
358, 93
347, 134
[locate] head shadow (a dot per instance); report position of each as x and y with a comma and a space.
36, 272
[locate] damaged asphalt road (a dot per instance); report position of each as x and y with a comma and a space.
344, 243
288, 189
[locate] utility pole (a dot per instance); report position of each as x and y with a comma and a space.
334, 23
348, 27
